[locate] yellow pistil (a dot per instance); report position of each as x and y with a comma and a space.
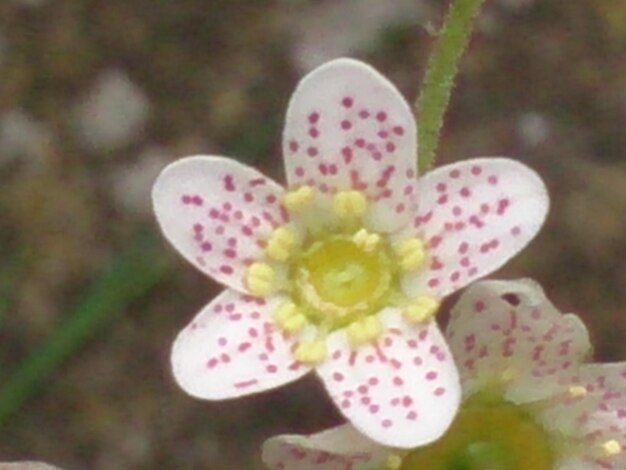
364, 331
393, 462
577, 391
299, 199
491, 435
349, 204
365, 240
311, 352
281, 243
611, 448
289, 318
411, 253
261, 279
421, 309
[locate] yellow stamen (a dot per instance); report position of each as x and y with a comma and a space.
289, 318
393, 462
311, 352
411, 253
365, 240
421, 309
299, 199
364, 331
281, 243
349, 204
577, 391
611, 448
261, 279
508, 375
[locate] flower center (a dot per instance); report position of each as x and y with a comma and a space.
338, 281
337, 275
494, 436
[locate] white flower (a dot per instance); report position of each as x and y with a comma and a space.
342, 272
530, 400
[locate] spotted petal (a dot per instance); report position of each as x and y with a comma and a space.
402, 390
601, 433
474, 216
340, 448
347, 127
217, 213
596, 419
508, 332
231, 349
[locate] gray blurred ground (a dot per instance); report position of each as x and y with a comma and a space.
97, 95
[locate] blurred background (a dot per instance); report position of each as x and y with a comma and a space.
96, 96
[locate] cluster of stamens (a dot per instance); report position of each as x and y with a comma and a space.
338, 276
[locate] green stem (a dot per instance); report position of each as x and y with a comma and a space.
440, 75
128, 278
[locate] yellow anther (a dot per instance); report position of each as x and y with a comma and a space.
295, 323
421, 309
393, 462
577, 391
311, 352
260, 279
507, 375
349, 204
365, 240
289, 318
611, 448
299, 199
411, 253
285, 310
364, 331
281, 243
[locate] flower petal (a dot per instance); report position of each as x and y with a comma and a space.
474, 216
510, 333
231, 349
217, 213
595, 419
348, 127
402, 390
340, 448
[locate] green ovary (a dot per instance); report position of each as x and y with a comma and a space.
339, 282
495, 436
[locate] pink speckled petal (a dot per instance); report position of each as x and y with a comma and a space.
595, 419
231, 349
340, 448
600, 427
402, 390
217, 213
474, 216
510, 327
348, 127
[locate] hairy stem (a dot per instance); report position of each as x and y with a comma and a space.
442, 69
